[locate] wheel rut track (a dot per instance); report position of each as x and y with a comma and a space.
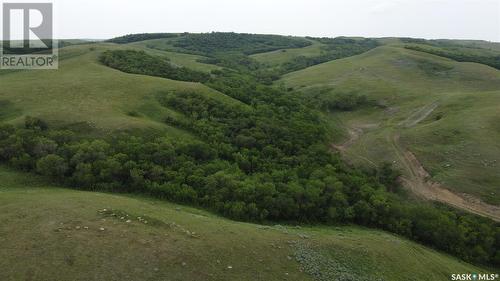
417, 179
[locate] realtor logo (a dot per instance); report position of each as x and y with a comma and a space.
28, 36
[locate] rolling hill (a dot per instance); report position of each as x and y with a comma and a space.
74, 235
87, 95
251, 142
443, 112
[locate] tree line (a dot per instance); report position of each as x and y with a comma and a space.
223, 42
130, 38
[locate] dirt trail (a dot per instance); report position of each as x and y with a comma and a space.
419, 115
417, 178
354, 134
418, 181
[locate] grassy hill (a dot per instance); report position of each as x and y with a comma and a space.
445, 112
85, 94
52, 233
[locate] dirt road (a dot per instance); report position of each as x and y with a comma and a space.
416, 178
354, 134
418, 181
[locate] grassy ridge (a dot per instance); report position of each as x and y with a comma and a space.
51, 241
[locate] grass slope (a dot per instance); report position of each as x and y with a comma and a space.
50, 233
457, 141
86, 94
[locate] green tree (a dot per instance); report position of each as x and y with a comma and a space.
52, 165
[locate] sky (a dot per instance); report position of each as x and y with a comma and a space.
430, 19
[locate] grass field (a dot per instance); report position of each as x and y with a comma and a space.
49, 233
445, 112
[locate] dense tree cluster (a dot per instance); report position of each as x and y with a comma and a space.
331, 100
139, 62
236, 61
222, 42
232, 50
130, 38
245, 177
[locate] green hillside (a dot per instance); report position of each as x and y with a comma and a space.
85, 94
445, 112
51, 233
